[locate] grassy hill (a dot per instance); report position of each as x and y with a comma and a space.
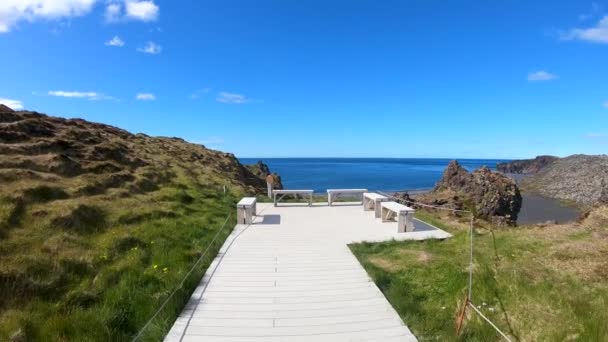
98, 226
537, 283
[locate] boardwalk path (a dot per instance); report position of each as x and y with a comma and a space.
291, 277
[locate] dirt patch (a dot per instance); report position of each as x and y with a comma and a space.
391, 266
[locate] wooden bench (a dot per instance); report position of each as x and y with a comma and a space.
333, 193
282, 194
404, 214
246, 210
372, 200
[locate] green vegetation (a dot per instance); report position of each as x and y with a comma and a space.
99, 226
101, 271
536, 284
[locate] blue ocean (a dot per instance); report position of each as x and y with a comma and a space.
384, 174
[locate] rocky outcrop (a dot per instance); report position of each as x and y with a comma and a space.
526, 166
581, 179
491, 195
261, 170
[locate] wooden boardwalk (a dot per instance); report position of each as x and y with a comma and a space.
291, 277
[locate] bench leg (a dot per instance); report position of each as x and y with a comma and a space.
377, 208
386, 215
240, 215
329, 199
249, 216
401, 228
310, 200
409, 222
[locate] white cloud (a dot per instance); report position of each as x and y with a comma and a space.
89, 95
605, 104
151, 48
541, 76
145, 97
116, 41
13, 104
141, 10
113, 12
595, 135
15, 11
226, 97
595, 34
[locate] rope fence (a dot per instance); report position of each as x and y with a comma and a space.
469, 299
468, 303
182, 282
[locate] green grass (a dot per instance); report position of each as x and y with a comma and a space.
535, 284
101, 270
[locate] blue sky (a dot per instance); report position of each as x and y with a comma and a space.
425, 78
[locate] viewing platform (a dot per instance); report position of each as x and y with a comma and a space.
290, 276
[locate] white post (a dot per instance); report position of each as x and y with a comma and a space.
269, 188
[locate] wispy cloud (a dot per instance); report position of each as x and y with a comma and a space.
596, 135
605, 104
13, 104
593, 12
232, 98
199, 93
145, 97
113, 12
151, 48
116, 41
594, 34
89, 95
123, 10
15, 11
541, 76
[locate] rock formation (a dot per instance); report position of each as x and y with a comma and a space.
579, 178
261, 170
526, 166
491, 195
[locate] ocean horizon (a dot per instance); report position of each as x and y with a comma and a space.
377, 174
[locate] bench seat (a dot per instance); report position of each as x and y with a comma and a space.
246, 210
333, 193
403, 214
283, 193
372, 200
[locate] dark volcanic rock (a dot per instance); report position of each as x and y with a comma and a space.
5, 109
261, 170
492, 195
526, 166
579, 178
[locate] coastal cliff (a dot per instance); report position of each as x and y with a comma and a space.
526, 166
581, 179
